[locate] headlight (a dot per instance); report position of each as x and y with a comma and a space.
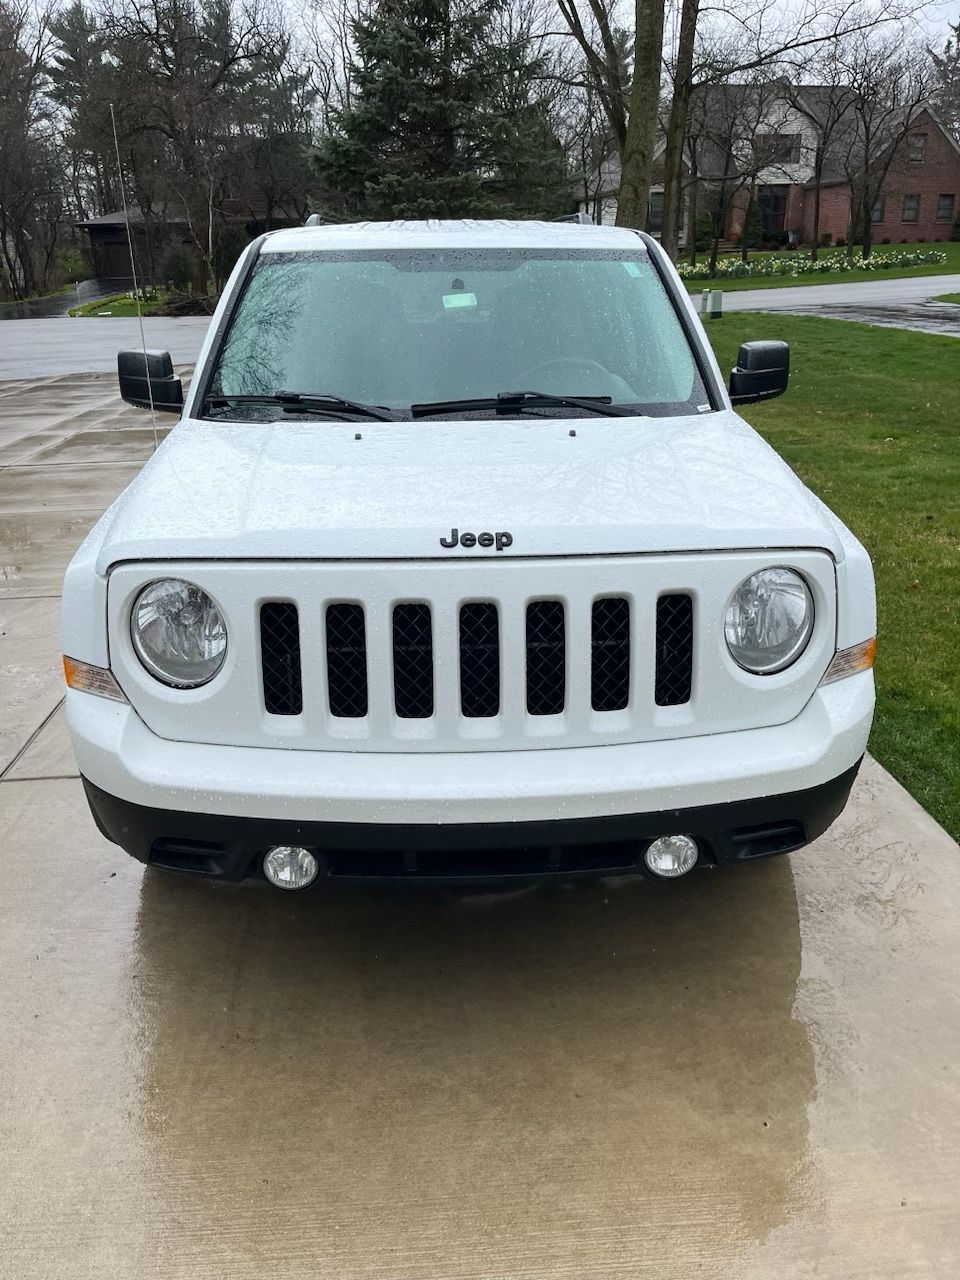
178, 633
769, 621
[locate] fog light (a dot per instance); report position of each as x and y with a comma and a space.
288, 867
671, 856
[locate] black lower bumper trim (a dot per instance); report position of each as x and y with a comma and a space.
232, 848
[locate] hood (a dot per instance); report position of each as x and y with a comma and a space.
367, 490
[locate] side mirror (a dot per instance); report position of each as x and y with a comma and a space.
146, 373
762, 372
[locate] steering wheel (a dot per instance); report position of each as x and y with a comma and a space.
590, 367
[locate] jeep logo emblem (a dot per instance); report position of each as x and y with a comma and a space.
499, 540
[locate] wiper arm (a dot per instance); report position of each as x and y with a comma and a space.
293, 401
511, 401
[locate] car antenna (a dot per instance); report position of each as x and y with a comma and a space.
133, 272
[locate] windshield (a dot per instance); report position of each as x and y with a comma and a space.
413, 326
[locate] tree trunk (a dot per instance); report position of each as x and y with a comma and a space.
817, 178
866, 215
637, 161
692, 224
744, 250
677, 128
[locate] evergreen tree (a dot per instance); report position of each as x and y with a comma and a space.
441, 121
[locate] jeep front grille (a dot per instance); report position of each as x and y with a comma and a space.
546, 658
481, 654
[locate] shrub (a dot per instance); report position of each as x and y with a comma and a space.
955, 234
177, 269
826, 240
753, 226
703, 233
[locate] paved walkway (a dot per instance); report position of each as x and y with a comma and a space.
747, 1075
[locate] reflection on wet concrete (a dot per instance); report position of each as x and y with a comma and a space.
404, 1083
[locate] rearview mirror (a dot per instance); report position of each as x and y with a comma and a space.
144, 374
762, 372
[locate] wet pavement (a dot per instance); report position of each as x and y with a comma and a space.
59, 304
750, 1074
898, 304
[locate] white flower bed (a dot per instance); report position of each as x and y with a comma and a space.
801, 264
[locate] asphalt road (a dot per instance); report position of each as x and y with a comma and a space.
747, 1075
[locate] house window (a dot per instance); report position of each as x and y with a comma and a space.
876, 213
945, 207
917, 148
776, 148
655, 213
911, 209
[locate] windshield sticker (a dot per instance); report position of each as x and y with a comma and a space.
459, 300
632, 269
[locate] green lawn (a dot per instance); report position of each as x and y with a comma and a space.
950, 247
118, 304
946, 297
870, 423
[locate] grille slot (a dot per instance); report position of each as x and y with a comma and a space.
412, 661
610, 654
280, 658
479, 660
346, 660
546, 657
674, 676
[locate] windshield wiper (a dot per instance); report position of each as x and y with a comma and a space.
511, 401
297, 402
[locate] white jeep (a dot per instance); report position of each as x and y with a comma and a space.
460, 565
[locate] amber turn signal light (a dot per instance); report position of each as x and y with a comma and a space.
847, 662
90, 679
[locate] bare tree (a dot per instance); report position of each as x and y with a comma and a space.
888, 83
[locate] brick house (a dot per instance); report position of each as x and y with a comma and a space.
920, 196
767, 153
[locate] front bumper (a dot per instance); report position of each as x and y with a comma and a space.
232, 848
470, 800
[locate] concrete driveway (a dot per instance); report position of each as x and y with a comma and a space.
749, 1074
